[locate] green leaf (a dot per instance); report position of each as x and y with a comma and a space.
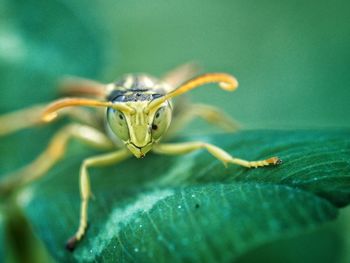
191, 208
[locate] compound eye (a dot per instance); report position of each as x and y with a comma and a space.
161, 122
117, 122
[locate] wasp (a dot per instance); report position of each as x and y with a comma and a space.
138, 113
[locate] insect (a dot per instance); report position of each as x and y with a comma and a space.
137, 113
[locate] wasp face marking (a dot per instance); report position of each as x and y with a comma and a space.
142, 127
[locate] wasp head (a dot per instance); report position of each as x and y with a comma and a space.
140, 125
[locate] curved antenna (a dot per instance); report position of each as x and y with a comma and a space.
225, 81
50, 112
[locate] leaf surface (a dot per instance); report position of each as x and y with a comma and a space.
190, 207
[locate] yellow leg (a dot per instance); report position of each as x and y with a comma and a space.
181, 148
21, 119
75, 86
215, 116
180, 74
30, 117
85, 192
53, 153
210, 114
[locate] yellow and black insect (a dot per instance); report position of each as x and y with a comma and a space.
139, 113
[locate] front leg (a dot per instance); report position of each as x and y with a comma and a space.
181, 148
54, 152
85, 191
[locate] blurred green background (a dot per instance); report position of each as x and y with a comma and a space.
292, 58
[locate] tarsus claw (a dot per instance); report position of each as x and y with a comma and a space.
71, 243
